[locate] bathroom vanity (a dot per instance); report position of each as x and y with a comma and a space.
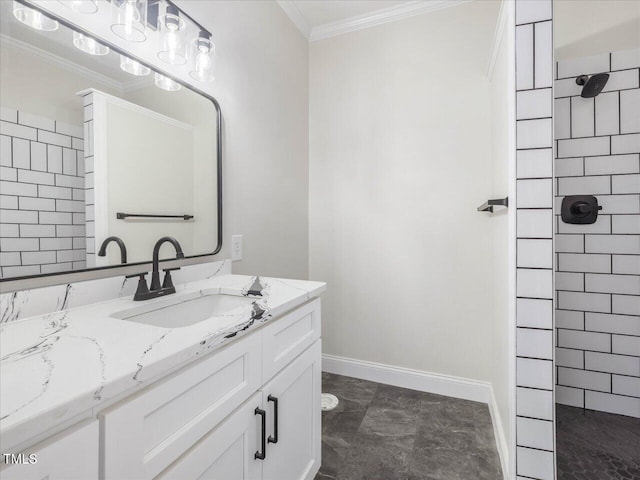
233, 396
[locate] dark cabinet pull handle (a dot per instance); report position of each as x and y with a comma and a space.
274, 438
260, 455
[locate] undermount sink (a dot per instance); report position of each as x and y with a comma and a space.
185, 310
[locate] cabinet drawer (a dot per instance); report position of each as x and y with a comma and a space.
71, 455
288, 337
147, 432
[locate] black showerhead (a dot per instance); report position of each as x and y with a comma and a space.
592, 85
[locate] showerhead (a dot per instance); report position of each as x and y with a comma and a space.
592, 86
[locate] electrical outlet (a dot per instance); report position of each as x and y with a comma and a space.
236, 247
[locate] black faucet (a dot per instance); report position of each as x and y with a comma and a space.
118, 240
157, 290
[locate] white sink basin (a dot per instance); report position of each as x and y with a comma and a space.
185, 310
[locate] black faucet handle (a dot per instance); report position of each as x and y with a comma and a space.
142, 290
135, 275
167, 283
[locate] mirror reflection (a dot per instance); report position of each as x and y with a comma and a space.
97, 147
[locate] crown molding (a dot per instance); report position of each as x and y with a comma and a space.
295, 16
61, 62
379, 17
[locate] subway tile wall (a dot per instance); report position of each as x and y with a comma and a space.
42, 209
535, 437
597, 280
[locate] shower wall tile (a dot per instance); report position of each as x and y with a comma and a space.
625, 385
622, 80
536, 163
533, 373
536, 403
573, 397
569, 167
562, 118
577, 378
625, 59
619, 404
607, 113
534, 133
629, 143
534, 433
612, 164
591, 302
626, 224
570, 319
524, 57
584, 185
535, 193
568, 357
610, 323
533, 343
529, 11
603, 225
621, 244
534, 463
534, 223
625, 183
626, 264
534, 313
534, 283
582, 112
583, 66
534, 104
582, 147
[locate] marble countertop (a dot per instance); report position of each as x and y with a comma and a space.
57, 366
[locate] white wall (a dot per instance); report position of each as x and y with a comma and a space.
400, 157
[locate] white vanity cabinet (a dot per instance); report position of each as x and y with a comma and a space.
206, 420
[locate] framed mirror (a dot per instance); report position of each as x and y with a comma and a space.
101, 155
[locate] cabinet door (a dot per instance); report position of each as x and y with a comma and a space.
227, 452
297, 390
69, 455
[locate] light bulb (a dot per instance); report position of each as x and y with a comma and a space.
166, 83
33, 18
130, 19
81, 6
134, 68
89, 45
172, 37
202, 57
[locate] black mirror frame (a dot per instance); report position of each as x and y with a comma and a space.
216, 105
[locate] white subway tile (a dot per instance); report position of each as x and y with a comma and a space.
535, 433
528, 11
570, 319
70, 206
626, 224
10, 259
69, 130
534, 343
9, 114
571, 377
583, 66
624, 244
71, 230
5, 151
33, 203
70, 255
623, 284
613, 403
78, 144
69, 161
569, 167
78, 194
536, 134
582, 112
37, 258
80, 163
534, 403
627, 264
37, 231
535, 193
20, 131
8, 202
581, 147
630, 111
625, 385
625, 344
534, 104
18, 216
566, 87
569, 243
536, 163
15, 188
626, 184
534, 283
79, 219
54, 156
612, 164
21, 153
55, 243
569, 281
562, 117
80, 265
573, 397
524, 57
79, 243
534, 223
617, 204
54, 192
568, 357
534, 373
20, 271
30, 176
56, 267
622, 80
626, 304
592, 302
55, 218
610, 323
577, 262
8, 174
38, 156
599, 185
607, 114
599, 342
543, 62
35, 121
629, 143
534, 313
534, 463
602, 225
54, 138
623, 59
606, 362
535, 253
19, 244
69, 181
9, 230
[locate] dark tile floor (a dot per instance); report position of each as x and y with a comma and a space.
596, 445
379, 432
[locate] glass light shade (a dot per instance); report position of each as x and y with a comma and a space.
33, 18
130, 19
166, 83
133, 67
89, 45
202, 58
173, 37
81, 6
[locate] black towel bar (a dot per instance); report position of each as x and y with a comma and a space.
122, 216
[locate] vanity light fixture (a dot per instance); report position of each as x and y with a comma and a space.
130, 19
81, 6
173, 34
165, 83
202, 51
33, 18
134, 68
89, 45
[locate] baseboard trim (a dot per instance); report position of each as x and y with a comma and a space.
447, 385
